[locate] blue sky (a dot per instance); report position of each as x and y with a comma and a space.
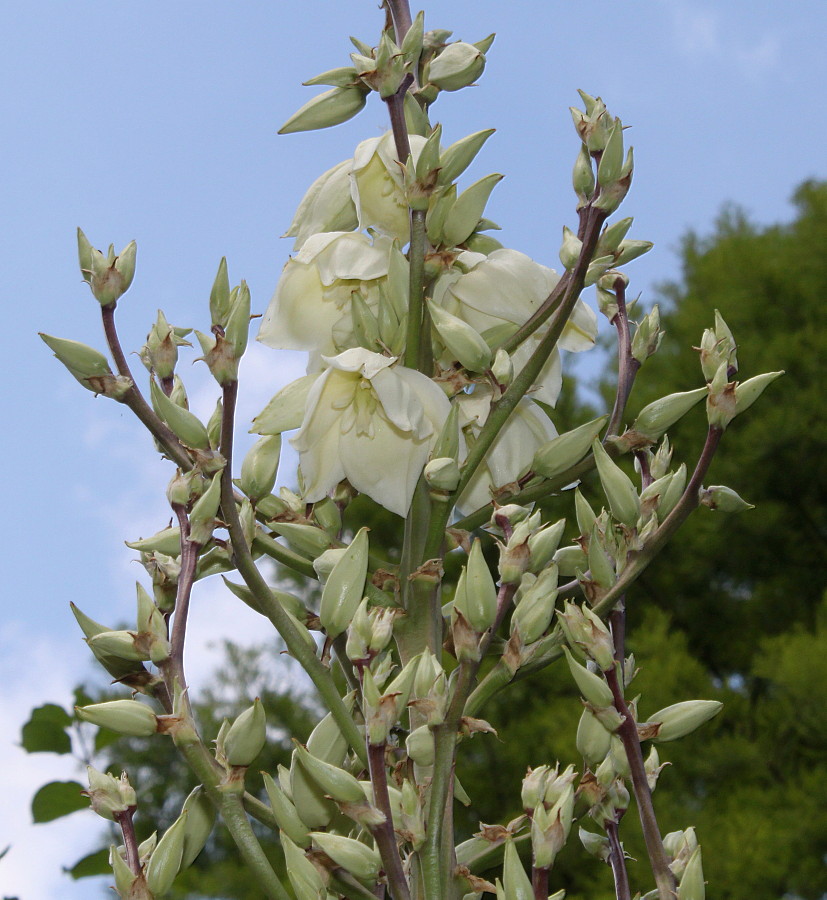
158, 121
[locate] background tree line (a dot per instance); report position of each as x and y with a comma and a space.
734, 610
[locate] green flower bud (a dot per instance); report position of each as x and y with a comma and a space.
108, 276
476, 593
657, 417
693, 886
260, 465
535, 604
84, 363
601, 570
674, 491
570, 249
121, 644
681, 719
187, 427
747, 392
286, 814
543, 545
590, 685
442, 473
345, 586
109, 795
127, 883
584, 513
564, 451
680, 845
237, 329
583, 177
647, 336
455, 159
456, 67
420, 746
585, 629
611, 159
441, 203
595, 844
204, 511
461, 340
593, 740
167, 541
330, 108
342, 76
550, 829
718, 347
464, 215
334, 781
630, 250
128, 717
723, 499
198, 825
569, 559
246, 737
516, 884
308, 540
165, 862
160, 352
617, 486
612, 194
360, 860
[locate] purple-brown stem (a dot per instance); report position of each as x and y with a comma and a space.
617, 860
383, 834
627, 365
130, 842
539, 883
186, 579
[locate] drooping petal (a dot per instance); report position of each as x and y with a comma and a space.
580, 332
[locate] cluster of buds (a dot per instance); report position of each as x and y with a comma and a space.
230, 312
109, 276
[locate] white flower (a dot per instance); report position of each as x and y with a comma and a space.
512, 452
327, 206
507, 287
313, 295
370, 422
377, 186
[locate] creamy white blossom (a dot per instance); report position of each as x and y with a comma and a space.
327, 206
313, 295
507, 287
512, 452
372, 422
377, 186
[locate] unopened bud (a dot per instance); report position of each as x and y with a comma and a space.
680, 719
165, 861
458, 65
128, 717
246, 736
723, 499
330, 108
344, 587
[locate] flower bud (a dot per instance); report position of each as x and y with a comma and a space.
718, 347
258, 470
570, 249
462, 341
583, 177
657, 417
357, 858
617, 486
308, 540
127, 883
420, 745
109, 795
334, 781
108, 276
285, 813
647, 336
82, 361
601, 569
590, 685
747, 392
442, 473
165, 861
476, 593
535, 605
595, 844
585, 629
584, 513
592, 740
458, 65
543, 545
462, 218
344, 587
246, 736
160, 353
440, 205
187, 427
167, 542
693, 886
128, 717
550, 829
198, 825
455, 159
569, 559
680, 719
561, 453
516, 884
204, 511
330, 108
722, 498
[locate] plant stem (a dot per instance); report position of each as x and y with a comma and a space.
627, 365
130, 842
135, 400
401, 14
664, 879
539, 883
383, 834
415, 342
284, 555
186, 579
617, 860
230, 806
319, 674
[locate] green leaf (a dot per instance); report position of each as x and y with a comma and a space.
45, 732
56, 799
96, 863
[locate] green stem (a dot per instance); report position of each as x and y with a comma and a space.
284, 555
268, 605
230, 807
414, 342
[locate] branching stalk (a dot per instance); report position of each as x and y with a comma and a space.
627, 365
383, 834
319, 674
617, 860
130, 841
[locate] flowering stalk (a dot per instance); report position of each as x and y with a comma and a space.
627, 364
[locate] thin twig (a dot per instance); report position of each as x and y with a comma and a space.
130, 841
617, 860
627, 365
383, 834
186, 579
